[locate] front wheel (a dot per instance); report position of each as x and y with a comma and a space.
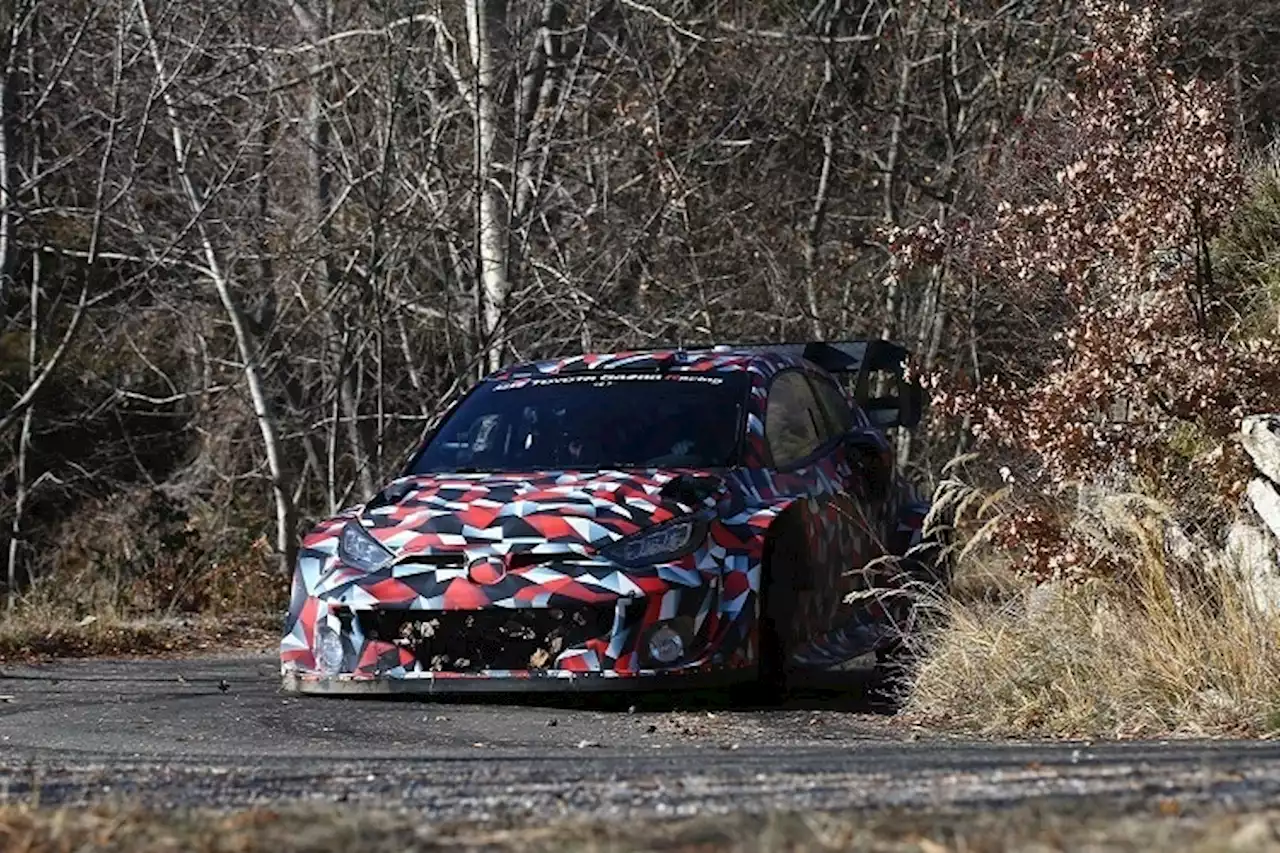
783, 557
770, 686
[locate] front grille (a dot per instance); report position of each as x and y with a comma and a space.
496, 638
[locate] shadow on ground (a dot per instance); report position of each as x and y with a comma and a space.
858, 691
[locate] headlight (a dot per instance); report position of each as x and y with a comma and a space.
658, 545
359, 550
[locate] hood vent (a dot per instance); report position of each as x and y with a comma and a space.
441, 561
393, 493
690, 490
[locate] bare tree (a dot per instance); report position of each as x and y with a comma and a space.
197, 198
297, 231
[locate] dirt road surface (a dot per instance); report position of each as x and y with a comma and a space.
218, 732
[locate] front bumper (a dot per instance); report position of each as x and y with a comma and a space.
575, 648
474, 652
397, 630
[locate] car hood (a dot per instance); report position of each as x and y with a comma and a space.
549, 511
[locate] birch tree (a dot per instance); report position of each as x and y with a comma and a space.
218, 275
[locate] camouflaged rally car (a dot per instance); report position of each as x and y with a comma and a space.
635, 520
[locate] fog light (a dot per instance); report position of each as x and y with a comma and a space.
666, 645
328, 649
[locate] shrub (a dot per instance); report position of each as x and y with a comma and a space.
1174, 644
1126, 366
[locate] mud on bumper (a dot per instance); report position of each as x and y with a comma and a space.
574, 647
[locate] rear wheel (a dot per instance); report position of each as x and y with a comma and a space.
928, 572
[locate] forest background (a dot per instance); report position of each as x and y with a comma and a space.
249, 250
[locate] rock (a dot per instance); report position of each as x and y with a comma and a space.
1255, 834
1266, 502
1260, 435
1182, 547
1251, 548
1251, 552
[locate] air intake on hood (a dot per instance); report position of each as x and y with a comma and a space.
691, 490
449, 561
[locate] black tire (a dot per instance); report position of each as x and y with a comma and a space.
770, 686
929, 567
894, 674
777, 603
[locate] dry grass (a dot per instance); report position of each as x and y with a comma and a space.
33, 830
1174, 647
146, 552
27, 637
104, 599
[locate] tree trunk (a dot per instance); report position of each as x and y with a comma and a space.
12, 16
493, 286
817, 217
314, 24
21, 486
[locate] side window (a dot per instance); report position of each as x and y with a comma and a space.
794, 426
834, 405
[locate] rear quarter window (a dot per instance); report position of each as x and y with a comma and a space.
794, 426
835, 407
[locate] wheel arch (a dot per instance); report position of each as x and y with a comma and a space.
785, 530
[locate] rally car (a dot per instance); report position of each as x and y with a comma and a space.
654, 519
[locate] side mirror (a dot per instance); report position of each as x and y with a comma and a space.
872, 456
884, 418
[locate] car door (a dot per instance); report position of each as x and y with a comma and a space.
806, 457
864, 457
857, 525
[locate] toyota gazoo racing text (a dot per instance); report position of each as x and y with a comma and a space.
634, 520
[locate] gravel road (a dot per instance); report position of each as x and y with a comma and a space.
218, 732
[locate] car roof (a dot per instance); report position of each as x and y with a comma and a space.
698, 360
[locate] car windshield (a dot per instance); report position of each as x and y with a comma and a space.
591, 421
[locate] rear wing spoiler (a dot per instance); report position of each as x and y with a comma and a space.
876, 370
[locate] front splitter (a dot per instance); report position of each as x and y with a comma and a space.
322, 685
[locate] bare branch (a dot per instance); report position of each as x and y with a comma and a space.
50, 364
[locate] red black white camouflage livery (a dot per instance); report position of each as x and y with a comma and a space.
619, 572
